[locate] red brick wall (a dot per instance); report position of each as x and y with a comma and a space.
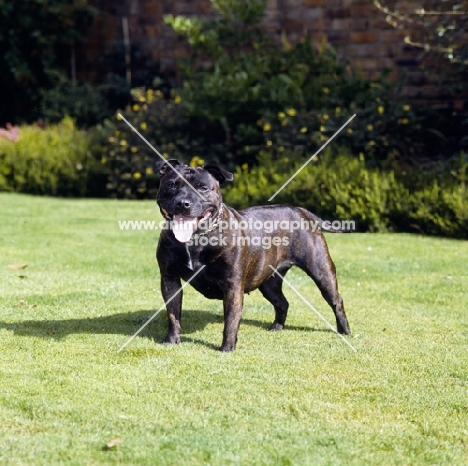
355, 27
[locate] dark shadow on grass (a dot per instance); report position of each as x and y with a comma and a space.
128, 323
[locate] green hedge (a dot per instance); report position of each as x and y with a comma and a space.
340, 185
55, 160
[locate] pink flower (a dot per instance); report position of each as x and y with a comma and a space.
11, 132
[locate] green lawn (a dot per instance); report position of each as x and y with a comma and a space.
299, 397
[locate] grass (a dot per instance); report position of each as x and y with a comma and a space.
299, 397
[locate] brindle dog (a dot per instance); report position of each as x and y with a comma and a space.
236, 258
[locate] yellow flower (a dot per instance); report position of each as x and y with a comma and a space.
244, 166
269, 143
177, 99
404, 121
349, 130
134, 149
111, 139
103, 160
137, 175
143, 126
325, 117
281, 115
325, 90
118, 116
380, 109
117, 134
406, 108
135, 107
371, 143
159, 93
266, 127
303, 130
322, 128
370, 128
337, 111
291, 112
196, 161
149, 170
123, 142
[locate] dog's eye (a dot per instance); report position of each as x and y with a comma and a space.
171, 185
202, 188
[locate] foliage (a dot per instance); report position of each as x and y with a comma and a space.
53, 160
35, 37
437, 28
80, 101
88, 105
378, 196
167, 126
251, 86
339, 185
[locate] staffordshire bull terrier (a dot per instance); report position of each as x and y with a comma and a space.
236, 249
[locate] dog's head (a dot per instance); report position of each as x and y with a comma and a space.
188, 195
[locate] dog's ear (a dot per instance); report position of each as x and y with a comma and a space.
219, 173
163, 166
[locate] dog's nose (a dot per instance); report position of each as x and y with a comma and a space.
184, 204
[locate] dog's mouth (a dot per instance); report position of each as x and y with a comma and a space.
184, 226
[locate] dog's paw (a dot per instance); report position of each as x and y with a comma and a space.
227, 348
172, 339
275, 326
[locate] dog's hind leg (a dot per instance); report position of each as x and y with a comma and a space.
271, 290
321, 269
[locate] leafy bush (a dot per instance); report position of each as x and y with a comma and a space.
85, 103
36, 39
258, 93
339, 185
53, 160
167, 126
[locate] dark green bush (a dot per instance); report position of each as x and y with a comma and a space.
339, 185
259, 93
86, 104
167, 125
36, 41
54, 161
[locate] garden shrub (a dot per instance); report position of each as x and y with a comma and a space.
168, 127
81, 101
339, 185
54, 160
258, 92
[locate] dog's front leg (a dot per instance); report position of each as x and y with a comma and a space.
171, 291
233, 303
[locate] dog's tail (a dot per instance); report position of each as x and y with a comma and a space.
333, 226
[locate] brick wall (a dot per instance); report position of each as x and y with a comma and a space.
355, 27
